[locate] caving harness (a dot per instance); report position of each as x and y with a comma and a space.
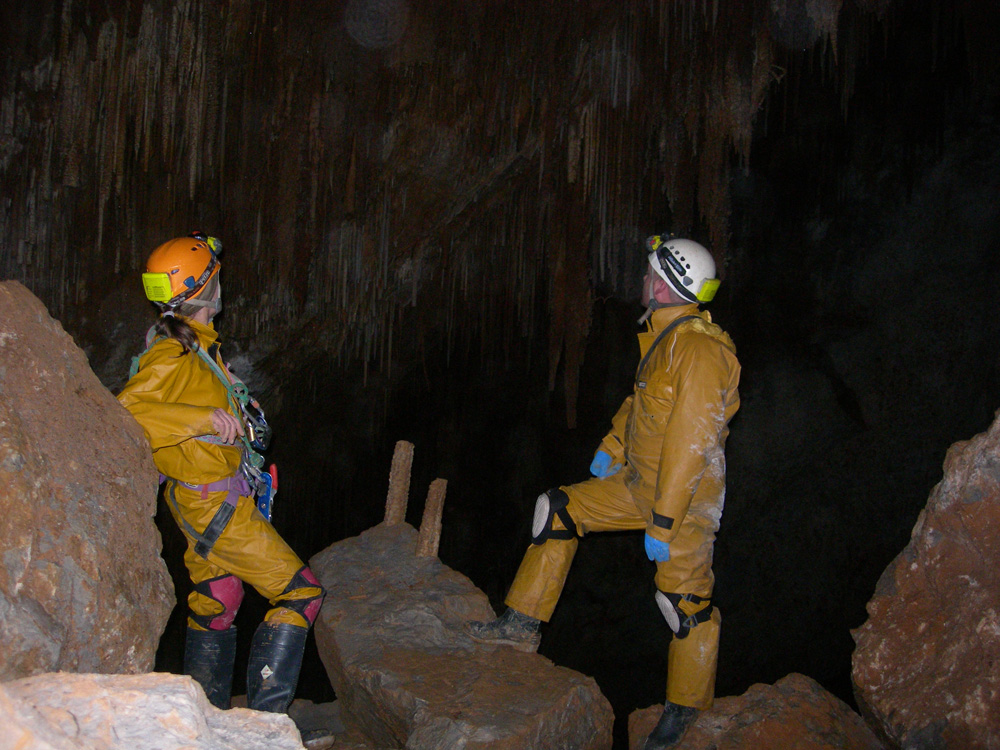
252, 479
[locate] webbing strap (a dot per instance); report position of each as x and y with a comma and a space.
663, 522
558, 500
214, 529
663, 334
205, 541
237, 393
238, 396
687, 621
569, 532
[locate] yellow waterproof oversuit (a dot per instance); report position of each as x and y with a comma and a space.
668, 437
173, 396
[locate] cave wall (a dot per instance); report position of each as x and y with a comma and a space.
430, 218
357, 158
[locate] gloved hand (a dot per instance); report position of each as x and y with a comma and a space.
600, 467
656, 550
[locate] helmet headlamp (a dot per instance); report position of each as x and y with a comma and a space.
157, 286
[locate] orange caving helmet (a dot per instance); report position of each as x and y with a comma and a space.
179, 268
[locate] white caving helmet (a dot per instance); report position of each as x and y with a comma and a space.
685, 265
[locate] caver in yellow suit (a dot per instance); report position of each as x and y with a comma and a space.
666, 446
173, 395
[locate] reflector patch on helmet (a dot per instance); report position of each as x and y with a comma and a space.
157, 286
708, 289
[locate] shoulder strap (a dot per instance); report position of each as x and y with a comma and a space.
151, 340
236, 392
663, 335
238, 396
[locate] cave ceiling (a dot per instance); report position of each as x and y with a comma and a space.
466, 170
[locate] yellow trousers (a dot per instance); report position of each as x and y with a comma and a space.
248, 548
607, 505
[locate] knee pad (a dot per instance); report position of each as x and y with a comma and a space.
547, 506
679, 621
308, 593
227, 591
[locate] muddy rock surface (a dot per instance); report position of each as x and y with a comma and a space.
794, 712
927, 664
82, 585
391, 635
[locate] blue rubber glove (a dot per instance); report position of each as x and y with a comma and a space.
656, 550
601, 467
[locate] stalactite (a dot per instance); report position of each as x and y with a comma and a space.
326, 172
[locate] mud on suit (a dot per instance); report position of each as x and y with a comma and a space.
669, 437
173, 396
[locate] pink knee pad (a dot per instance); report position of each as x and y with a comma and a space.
227, 591
307, 607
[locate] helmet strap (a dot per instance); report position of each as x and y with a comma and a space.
213, 304
654, 304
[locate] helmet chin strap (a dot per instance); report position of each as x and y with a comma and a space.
654, 304
214, 304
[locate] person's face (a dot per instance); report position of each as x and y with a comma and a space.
218, 299
655, 288
207, 313
648, 282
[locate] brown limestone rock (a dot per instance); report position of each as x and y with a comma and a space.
131, 712
391, 635
927, 664
795, 712
82, 584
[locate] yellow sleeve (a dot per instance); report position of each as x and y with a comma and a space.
151, 395
614, 442
694, 428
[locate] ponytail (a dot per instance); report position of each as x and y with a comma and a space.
172, 325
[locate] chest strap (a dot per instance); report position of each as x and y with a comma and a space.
649, 352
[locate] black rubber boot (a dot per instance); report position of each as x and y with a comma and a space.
673, 723
512, 628
273, 666
209, 657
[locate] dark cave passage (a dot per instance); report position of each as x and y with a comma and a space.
410, 294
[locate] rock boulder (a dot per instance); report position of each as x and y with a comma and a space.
154, 711
82, 584
795, 712
927, 664
391, 637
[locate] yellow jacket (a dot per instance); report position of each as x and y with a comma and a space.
172, 397
671, 432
